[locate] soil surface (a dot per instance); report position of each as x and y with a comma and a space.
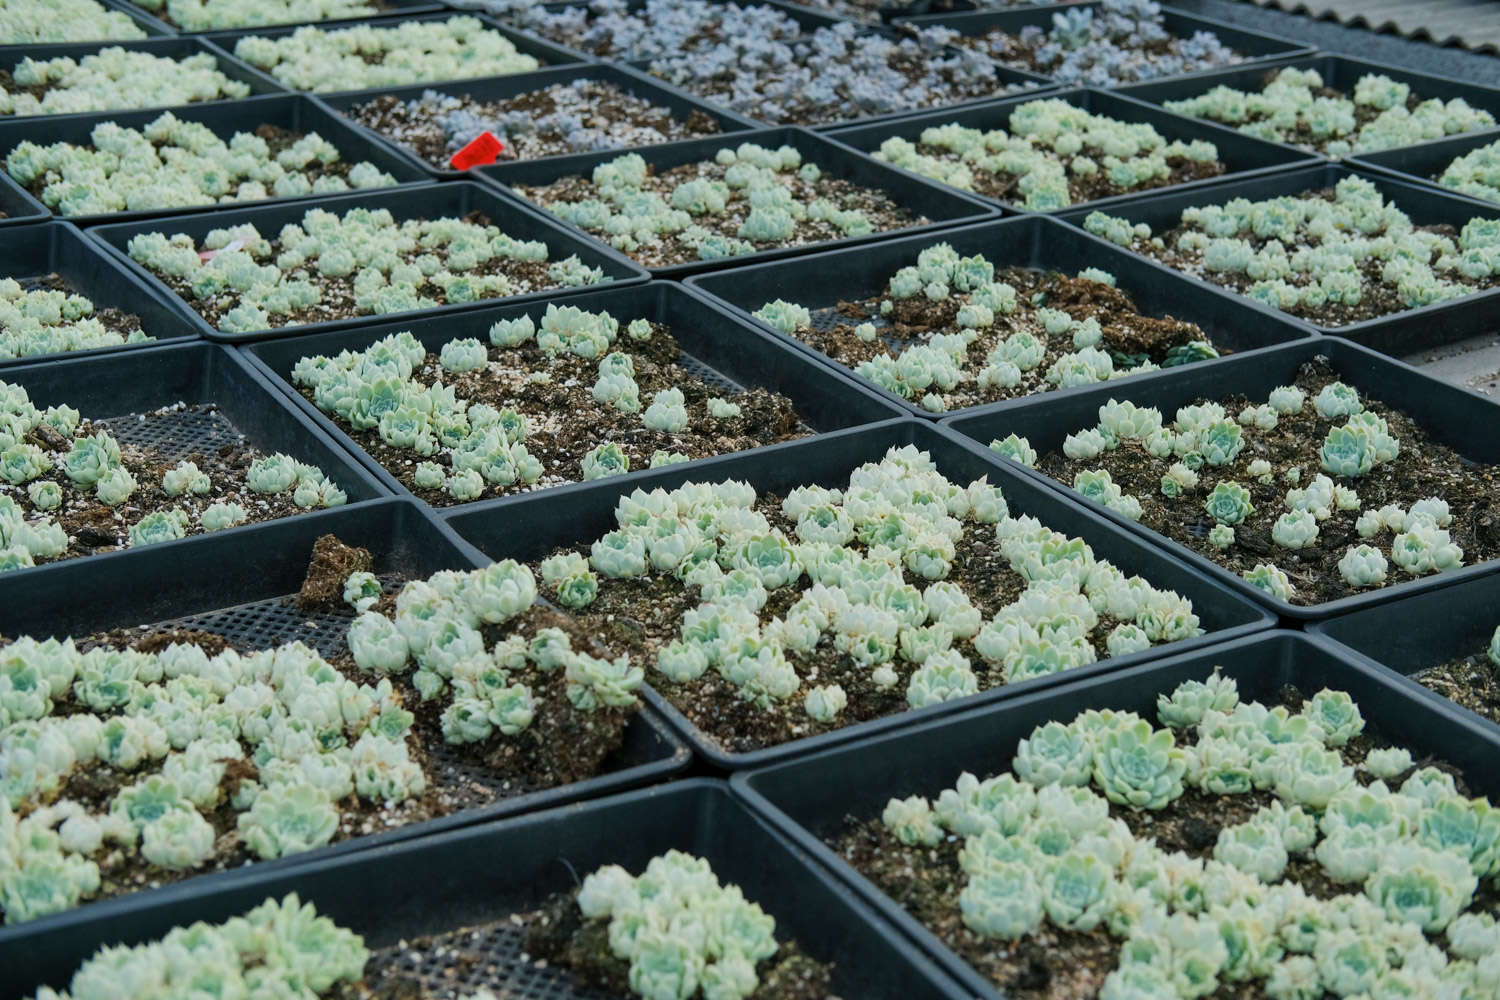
565, 422
1024, 52
551, 946
1128, 336
562, 746
640, 615
114, 320
338, 292
576, 117
1056, 963
94, 527
1471, 681
1378, 299
882, 211
1423, 469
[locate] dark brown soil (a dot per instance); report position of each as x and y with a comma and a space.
640, 615
1130, 337
10, 86
332, 563
1423, 469
1378, 299
606, 111
338, 293
276, 137
565, 422
1002, 186
1012, 50
1472, 682
94, 527
883, 212
114, 320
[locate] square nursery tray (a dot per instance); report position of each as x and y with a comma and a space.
31, 253
148, 24
813, 798
292, 112
241, 585
455, 199
1394, 333
165, 47
1442, 626
1425, 162
821, 282
943, 206
1256, 46
448, 883
382, 7
1338, 72
1241, 155
498, 88
1447, 413
725, 352
546, 53
16, 206
574, 516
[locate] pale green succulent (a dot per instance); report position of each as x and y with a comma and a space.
1422, 886
1336, 714
607, 459
1138, 766
288, 820
1004, 901
1229, 503
1363, 566
185, 477
1269, 577
1075, 891
1254, 848
1054, 754
1015, 448
159, 526
911, 821
1296, 529
218, 516
1191, 699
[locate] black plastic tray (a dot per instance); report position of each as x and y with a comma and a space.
58, 247
938, 202
1397, 333
1422, 631
150, 25
1338, 72
1257, 45
391, 7
1241, 154
115, 387
289, 111
456, 199
576, 515
525, 42
164, 47
480, 875
19, 206
496, 88
1447, 413
233, 584
721, 350
1425, 162
810, 798
1031, 241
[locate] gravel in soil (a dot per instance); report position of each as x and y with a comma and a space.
1003, 186
114, 320
1377, 298
94, 527
640, 615
562, 746
550, 945
880, 209
1057, 963
1472, 682
565, 422
1423, 469
1036, 51
575, 117
1128, 336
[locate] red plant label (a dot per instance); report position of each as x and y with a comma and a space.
482, 151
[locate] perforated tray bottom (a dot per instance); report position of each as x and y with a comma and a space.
716, 378
491, 956
276, 622
175, 434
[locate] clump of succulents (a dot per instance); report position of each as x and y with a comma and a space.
276, 943
252, 282
999, 344
680, 929
217, 15
1476, 173
172, 163
1295, 107
59, 462
1120, 41
1051, 147
1310, 254
868, 567
745, 199
1205, 441
28, 22
48, 320
872, 10
1047, 845
318, 59
113, 79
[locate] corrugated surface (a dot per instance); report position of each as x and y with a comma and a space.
1471, 24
